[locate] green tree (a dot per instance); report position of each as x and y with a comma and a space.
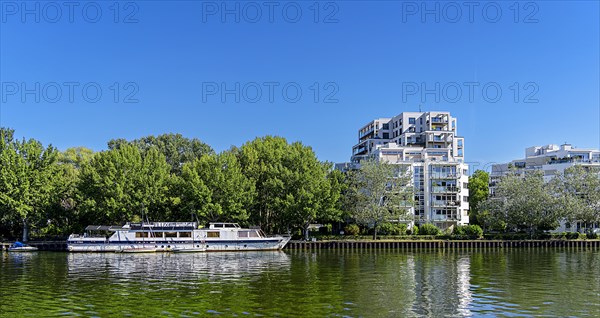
176, 148
578, 194
478, 192
338, 185
216, 189
525, 202
380, 192
26, 180
63, 214
292, 189
119, 183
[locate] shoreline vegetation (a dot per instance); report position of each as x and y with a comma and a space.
280, 186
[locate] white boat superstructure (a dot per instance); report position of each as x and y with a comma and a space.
173, 236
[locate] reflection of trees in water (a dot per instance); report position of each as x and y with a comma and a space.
368, 283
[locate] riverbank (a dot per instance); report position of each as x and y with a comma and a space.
390, 244
442, 244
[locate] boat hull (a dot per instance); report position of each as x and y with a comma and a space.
23, 249
267, 244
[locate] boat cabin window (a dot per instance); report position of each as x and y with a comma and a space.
156, 234
213, 234
141, 234
170, 234
230, 225
185, 234
248, 234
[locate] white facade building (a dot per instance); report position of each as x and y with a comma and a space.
550, 159
428, 144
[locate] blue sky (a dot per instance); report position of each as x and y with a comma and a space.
172, 60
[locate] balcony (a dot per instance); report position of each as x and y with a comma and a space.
443, 203
362, 134
359, 151
443, 176
438, 120
441, 217
444, 189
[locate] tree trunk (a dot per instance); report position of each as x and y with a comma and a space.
375, 232
306, 233
25, 231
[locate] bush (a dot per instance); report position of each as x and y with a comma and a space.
429, 229
473, 231
392, 229
352, 229
574, 235
413, 231
592, 236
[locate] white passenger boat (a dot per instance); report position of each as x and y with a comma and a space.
173, 236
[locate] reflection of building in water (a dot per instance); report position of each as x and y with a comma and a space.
168, 266
463, 283
442, 284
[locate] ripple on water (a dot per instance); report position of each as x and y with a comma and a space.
327, 283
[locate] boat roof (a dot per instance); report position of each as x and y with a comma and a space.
220, 225
103, 228
162, 226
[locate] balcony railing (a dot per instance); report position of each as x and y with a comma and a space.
442, 189
444, 176
443, 203
442, 217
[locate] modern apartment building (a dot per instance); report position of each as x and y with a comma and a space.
550, 159
426, 143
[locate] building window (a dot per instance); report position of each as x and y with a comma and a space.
411, 120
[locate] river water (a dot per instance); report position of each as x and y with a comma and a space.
325, 283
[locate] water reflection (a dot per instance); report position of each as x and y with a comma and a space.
442, 284
351, 283
179, 267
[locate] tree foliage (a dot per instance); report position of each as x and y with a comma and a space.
119, 183
27, 170
578, 194
292, 188
177, 149
525, 202
478, 193
216, 189
380, 192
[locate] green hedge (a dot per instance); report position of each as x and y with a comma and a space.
470, 231
429, 229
